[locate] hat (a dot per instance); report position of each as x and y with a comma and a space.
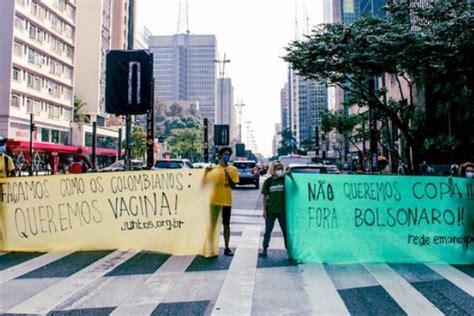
3, 140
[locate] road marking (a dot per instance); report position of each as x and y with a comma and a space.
146, 298
323, 295
30, 265
235, 297
453, 275
47, 300
402, 292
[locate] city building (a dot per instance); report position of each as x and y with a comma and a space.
284, 107
184, 69
276, 139
37, 70
226, 112
101, 25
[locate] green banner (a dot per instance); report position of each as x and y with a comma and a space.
355, 218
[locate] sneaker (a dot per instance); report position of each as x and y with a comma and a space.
228, 252
263, 253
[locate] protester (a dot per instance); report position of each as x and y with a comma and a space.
467, 170
273, 191
224, 177
7, 167
80, 163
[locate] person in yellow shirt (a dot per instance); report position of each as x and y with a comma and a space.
223, 177
7, 167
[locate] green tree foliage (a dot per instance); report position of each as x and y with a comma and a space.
79, 116
174, 117
427, 51
186, 143
138, 143
287, 144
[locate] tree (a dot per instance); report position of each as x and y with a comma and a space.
138, 142
288, 143
413, 45
79, 115
186, 143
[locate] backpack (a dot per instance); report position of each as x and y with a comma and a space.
75, 167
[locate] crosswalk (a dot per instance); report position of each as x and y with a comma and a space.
133, 282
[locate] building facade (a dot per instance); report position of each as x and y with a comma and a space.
226, 112
38, 43
284, 108
184, 69
276, 139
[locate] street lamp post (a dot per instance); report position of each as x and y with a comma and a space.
221, 63
239, 106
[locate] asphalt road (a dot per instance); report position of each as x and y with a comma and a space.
141, 282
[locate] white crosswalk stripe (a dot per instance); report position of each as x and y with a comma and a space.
30, 265
409, 299
453, 275
323, 295
236, 294
48, 299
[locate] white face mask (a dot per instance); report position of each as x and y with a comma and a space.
469, 174
279, 173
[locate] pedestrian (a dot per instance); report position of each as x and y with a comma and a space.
7, 167
467, 170
80, 157
273, 191
224, 177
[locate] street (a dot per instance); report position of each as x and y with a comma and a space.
140, 282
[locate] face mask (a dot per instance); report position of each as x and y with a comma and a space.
469, 174
279, 173
226, 158
3, 149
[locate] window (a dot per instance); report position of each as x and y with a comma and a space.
69, 11
69, 31
67, 114
31, 56
16, 74
67, 93
37, 106
44, 134
29, 106
15, 101
34, 7
19, 23
17, 49
67, 72
55, 136
37, 83
69, 52
33, 31
29, 80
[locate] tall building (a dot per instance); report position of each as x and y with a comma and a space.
101, 25
276, 139
184, 69
312, 101
37, 41
284, 107
225, 104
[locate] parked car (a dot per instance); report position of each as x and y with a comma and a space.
119, 165
201, 165
248, 173
172, 164
302, 168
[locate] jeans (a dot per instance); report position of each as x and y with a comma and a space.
269, 223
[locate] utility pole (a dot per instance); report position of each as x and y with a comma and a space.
221, 63
32, 129
128, 118
239, 106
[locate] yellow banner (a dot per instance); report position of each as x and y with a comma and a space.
165, 211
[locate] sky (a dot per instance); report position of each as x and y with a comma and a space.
253, 35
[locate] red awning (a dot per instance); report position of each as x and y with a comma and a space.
59, 148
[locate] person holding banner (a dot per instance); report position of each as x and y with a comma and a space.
7, 167
224, 177
273, 191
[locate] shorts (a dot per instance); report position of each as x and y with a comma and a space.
226, 215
